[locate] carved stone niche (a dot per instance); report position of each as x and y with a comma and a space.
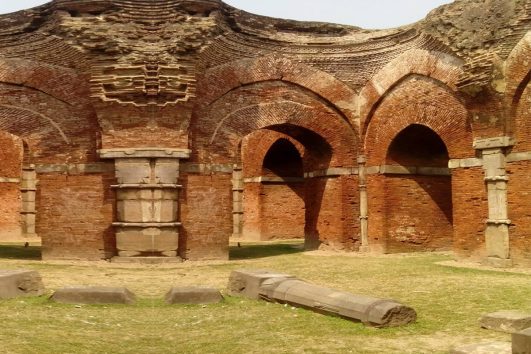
147, 201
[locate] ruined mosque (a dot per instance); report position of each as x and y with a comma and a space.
163, 128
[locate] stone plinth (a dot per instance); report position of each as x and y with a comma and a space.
506, 321
93, 295
15, 283
147, 201
193, 295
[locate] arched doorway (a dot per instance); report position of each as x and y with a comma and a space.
282, 192
274, 186
284, 196
418, 192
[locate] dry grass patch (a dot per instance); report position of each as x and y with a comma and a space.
448, 301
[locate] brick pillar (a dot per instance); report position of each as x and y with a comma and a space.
364, 216
147, 201
496, 179
28, 189
237, 200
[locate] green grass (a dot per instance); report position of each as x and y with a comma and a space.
448, 302
15, 251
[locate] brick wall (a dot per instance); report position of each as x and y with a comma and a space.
206, 215
282, 211
332, 210
252, 211
519, 199
418, 213
376, 210
469, 199
10, 196
74, 216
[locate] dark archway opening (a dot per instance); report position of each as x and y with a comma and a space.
418, 145
418, 204
283, 160
282, 191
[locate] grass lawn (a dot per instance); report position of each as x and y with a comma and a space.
448, 301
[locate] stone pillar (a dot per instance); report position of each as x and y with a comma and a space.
364, 217
497, 223
28, 189
147, 200
237, 200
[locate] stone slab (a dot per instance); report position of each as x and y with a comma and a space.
506, 321
93, 295
15, 283
522, 342
193, 295
483, 348
247, 283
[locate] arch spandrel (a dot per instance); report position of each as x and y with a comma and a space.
221, 80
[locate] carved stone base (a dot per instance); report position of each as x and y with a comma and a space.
147, 242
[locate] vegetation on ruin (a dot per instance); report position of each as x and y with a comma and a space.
448, 301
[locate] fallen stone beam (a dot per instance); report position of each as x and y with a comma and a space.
15, 283
93, 295
193, 295
283, 288
522, 342
506, 321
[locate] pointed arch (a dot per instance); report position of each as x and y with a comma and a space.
517, 79
437, 66
221, 80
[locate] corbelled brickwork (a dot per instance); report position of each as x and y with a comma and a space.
161, 128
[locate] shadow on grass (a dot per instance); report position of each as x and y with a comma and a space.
20, 252
264, 250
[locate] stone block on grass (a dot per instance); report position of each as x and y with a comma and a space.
193, 295
93, 295
522, 342
506, 321
15, 283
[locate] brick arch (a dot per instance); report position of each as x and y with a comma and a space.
28, 121
419, 100
518, 68
517, 78
221, 80
435, 65
242, 122
256, 146
57, 106
63, 84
